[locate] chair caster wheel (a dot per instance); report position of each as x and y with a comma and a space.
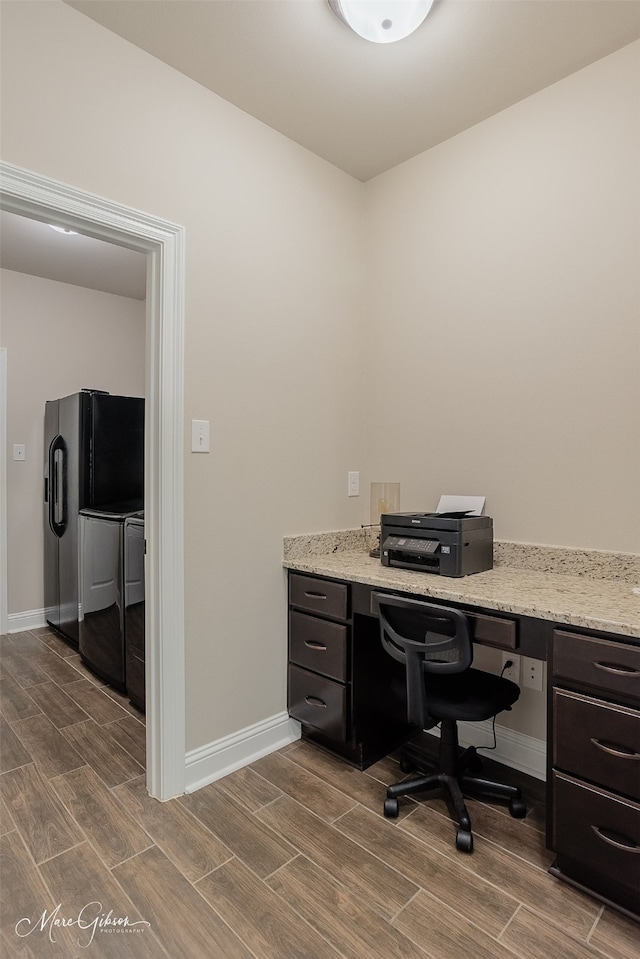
517, 808
406, 766
464, 841
391, 808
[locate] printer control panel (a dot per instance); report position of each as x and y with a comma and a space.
417, 545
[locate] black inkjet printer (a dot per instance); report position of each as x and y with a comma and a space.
451, 544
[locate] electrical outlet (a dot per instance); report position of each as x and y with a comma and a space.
532, 673
513, 672
353, 483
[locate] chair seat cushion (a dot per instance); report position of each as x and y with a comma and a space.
472, 695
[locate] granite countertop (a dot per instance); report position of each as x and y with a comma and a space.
603, 600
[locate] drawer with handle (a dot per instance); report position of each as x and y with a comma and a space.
318, 702
608, 666
597, 741
318, 644
493, 631
318, 595
599, 832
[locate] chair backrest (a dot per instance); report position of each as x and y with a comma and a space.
428, 638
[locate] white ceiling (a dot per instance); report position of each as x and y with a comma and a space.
362, 106
30, 246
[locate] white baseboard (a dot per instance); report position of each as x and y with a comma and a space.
215, 760
514, 749
30, 619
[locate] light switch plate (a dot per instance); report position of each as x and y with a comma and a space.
19, 451
199, 436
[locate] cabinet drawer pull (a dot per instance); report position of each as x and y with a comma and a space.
314, 594
627, 846
620, 751
314, 644
314, 701
616, 668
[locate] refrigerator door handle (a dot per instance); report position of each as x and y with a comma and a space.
57, 493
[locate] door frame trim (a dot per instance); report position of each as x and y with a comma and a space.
4, 603
42, 198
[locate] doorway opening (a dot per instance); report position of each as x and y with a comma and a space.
42, 198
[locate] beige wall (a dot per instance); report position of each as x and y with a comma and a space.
503, 315
273, 322
502, 282
59, 339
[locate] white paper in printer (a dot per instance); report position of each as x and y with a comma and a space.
456, 504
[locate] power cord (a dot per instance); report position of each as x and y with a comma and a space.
507, 665
493, 731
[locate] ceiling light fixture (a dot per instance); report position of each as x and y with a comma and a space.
63, 229
382, 21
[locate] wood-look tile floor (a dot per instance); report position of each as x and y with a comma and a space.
288, 858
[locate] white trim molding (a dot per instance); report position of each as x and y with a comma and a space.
29, 619
219, 758
42, 198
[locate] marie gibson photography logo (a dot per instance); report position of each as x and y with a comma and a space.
89, 920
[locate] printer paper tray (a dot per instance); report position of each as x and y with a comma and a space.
421, 564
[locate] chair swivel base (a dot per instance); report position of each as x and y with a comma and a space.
454, 786
414, 758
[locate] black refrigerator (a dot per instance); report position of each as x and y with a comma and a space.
94, 459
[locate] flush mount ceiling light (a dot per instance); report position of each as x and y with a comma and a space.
382, 21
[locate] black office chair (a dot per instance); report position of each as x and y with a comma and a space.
435, 645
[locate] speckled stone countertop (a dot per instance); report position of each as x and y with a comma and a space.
592, 589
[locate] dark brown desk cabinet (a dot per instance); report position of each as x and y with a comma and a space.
595, 794
342, 687
350, 698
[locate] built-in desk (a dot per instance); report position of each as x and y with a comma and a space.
350, 696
